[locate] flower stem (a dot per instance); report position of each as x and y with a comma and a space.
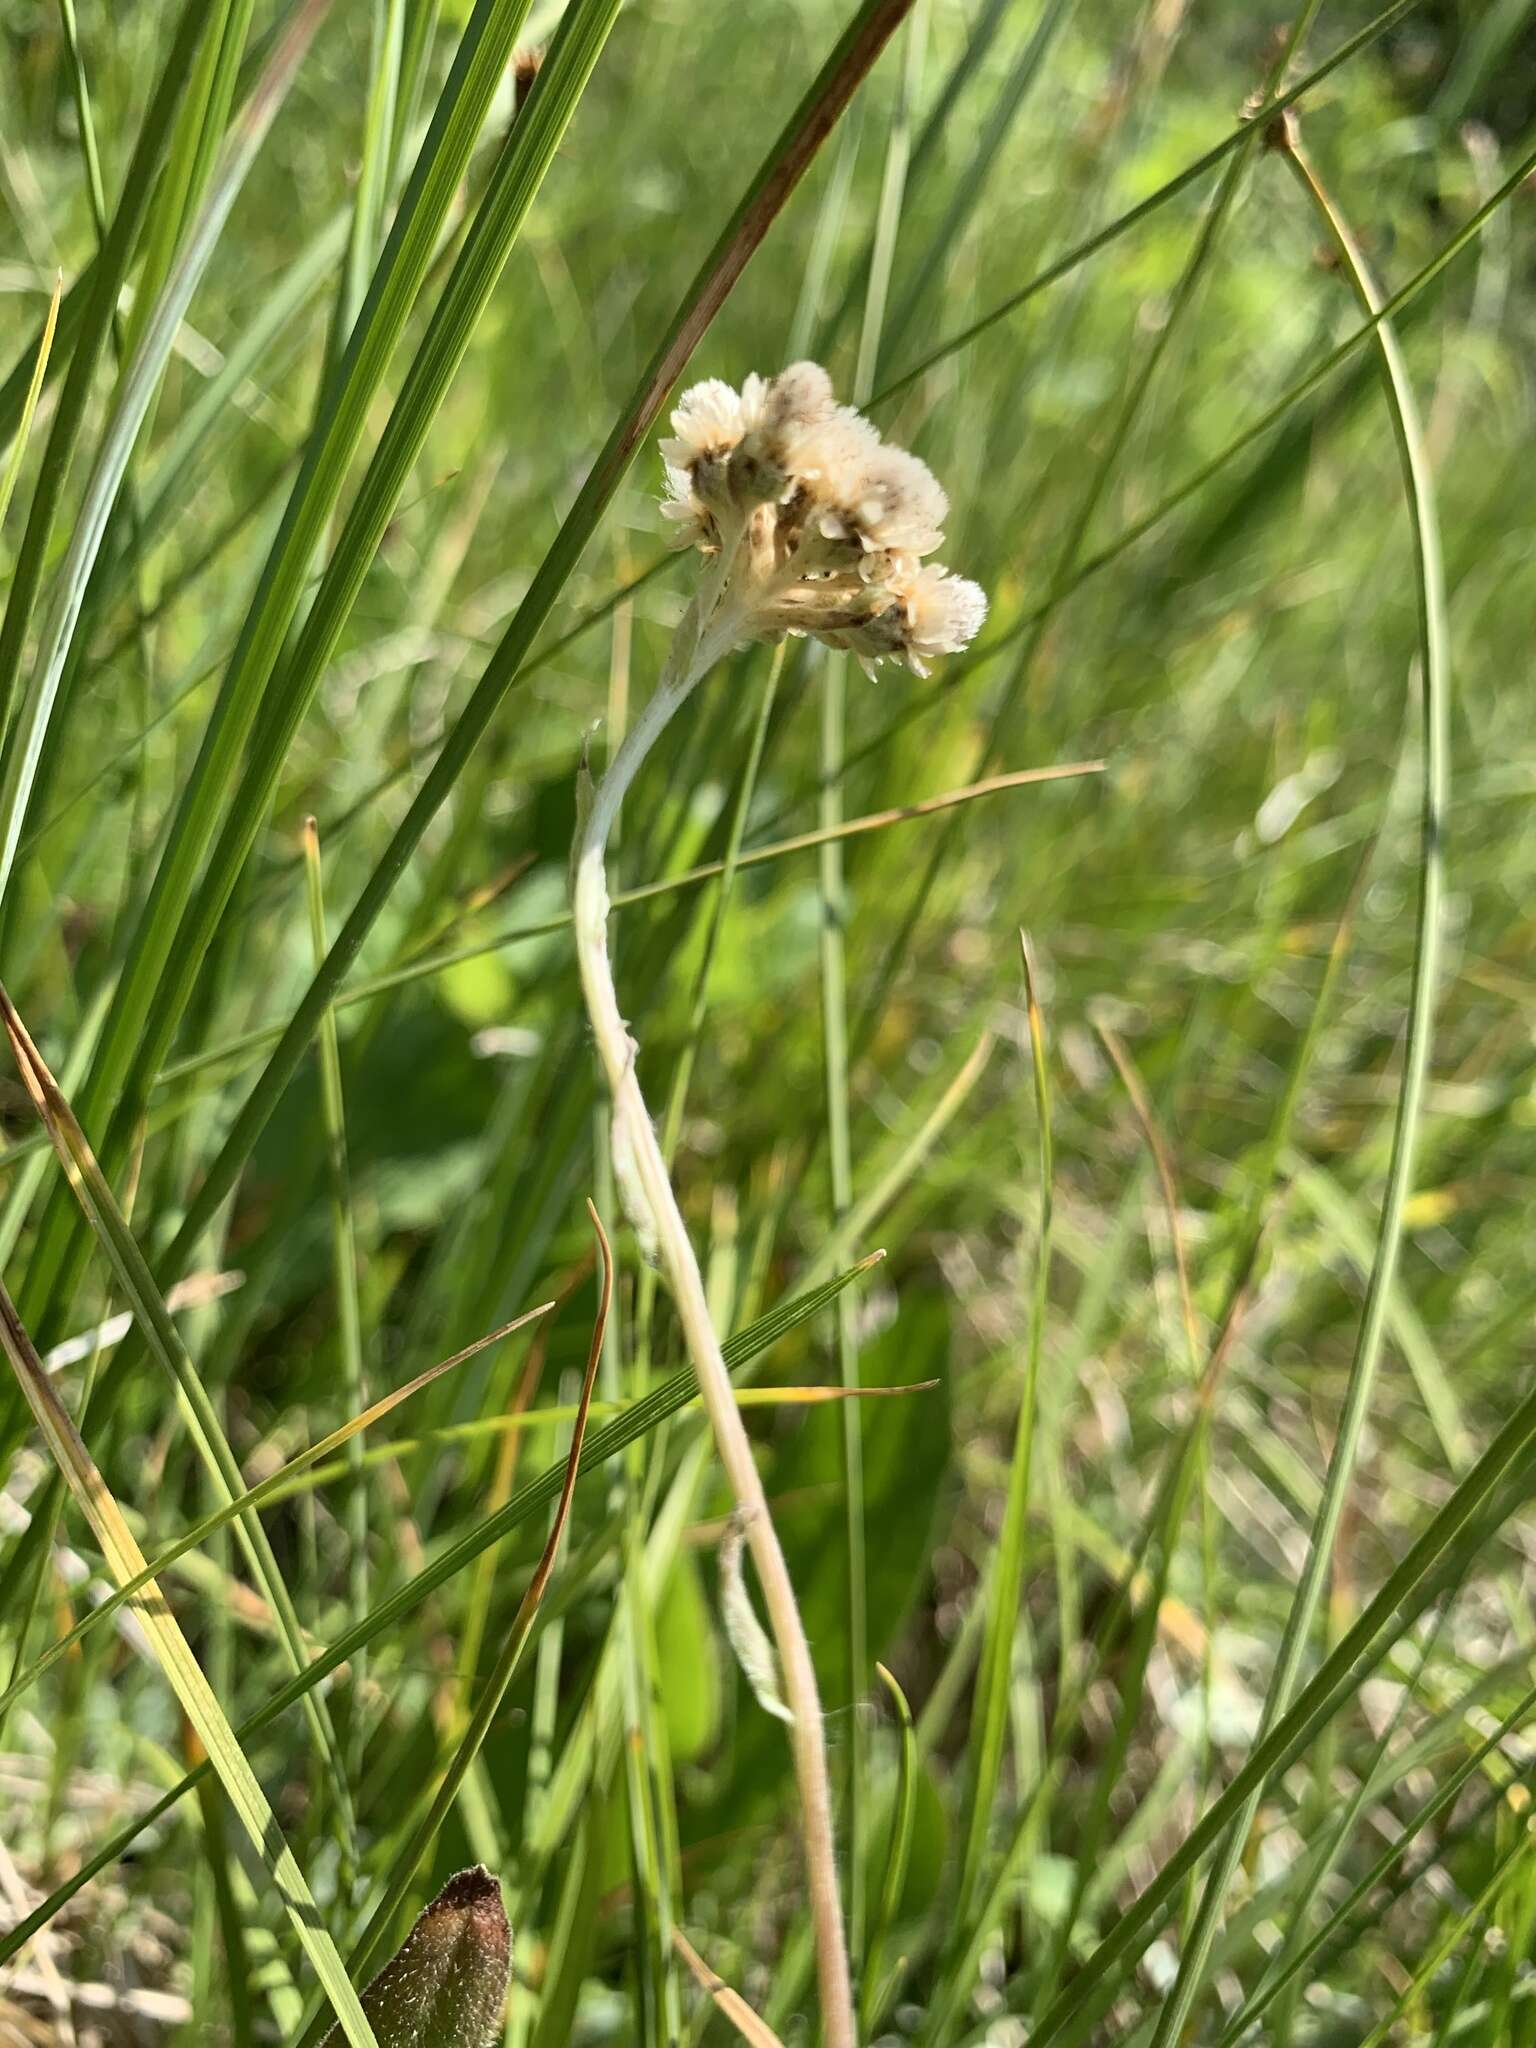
704, 635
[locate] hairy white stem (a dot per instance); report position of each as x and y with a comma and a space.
707, 630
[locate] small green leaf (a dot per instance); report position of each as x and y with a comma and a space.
447, 1984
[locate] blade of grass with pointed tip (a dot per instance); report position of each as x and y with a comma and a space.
437, 963
876, 1993
171, 1649
756, 2032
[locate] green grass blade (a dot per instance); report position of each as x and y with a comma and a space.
876, 1993
989, 1708
344, 1263
136, 1017
1434, 656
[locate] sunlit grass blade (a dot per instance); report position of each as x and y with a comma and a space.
888, 1187
29, 403
225, 1755
642, 892
730, 2004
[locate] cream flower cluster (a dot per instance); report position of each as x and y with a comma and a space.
815, 524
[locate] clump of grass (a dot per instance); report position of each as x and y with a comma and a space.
1140, 1536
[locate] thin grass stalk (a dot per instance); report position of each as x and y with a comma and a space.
344, 1281
648, 1195
251, 1041
1434, 661
989, 1712
834, 1015
29, 402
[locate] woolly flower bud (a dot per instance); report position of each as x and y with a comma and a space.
893, 502
446, 1987
707, 423
943, 614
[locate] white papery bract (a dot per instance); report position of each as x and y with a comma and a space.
815, 524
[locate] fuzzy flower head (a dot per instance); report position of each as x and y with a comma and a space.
817, 525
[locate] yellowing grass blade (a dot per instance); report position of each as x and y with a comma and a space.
728, 2002
29, 405
126, 1561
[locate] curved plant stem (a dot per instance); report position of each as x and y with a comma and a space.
647, 1191
1434, 667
